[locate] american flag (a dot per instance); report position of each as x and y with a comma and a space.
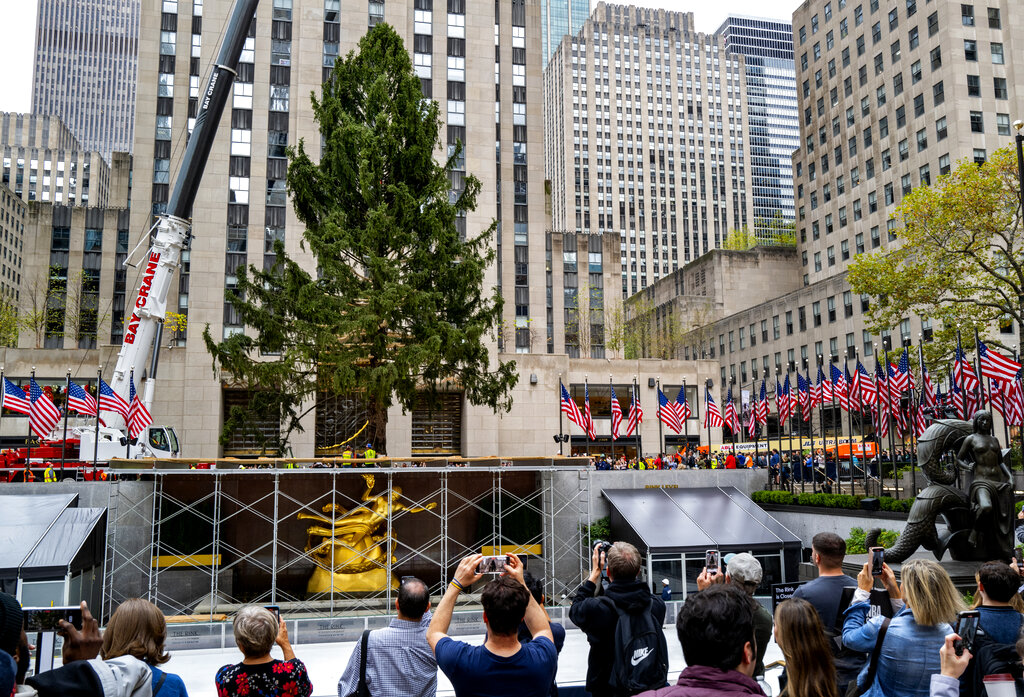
867, 387
963, 372
712, 416
112, 401
1015, 401
14, 398
762, 405
995, 365
972, 402
782, 401
920, 420
44, 415
927, 388
572, 411
817, 391
839, 388
81, 401
804, 395
730, 418
138, 415
752, 423
902, 377
636, 414
682, 406
587, 416
824, 386
956, 397
667, 413
616, 414
995, 390
881, 419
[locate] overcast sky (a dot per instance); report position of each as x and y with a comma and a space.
17, 35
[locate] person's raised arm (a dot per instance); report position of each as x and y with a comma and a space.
537, 620
465, 575
81, 645
282, 641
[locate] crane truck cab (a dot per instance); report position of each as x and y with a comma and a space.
154, 441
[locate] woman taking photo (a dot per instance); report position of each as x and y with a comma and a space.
925, 604
259, 674
810, 671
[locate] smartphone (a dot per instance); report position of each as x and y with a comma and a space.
712, 561
492, 565
877, 559
1018, 554
276, 610
967, 628
47, 619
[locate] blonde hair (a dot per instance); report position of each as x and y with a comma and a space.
808, 656
929, 592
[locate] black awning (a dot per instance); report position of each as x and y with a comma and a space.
694, 520
45, 534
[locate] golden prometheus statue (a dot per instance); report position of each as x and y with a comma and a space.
351, 557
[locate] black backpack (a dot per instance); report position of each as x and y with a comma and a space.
641, 652
991, 658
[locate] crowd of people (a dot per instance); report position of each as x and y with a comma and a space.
839, 636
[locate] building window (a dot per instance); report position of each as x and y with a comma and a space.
967, 15
970, 50
977, 123
997, 53
979, 155
973, 86
944, 164
999, 84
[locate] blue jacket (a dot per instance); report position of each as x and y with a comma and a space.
910, 652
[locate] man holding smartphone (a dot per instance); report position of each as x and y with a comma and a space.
502, 666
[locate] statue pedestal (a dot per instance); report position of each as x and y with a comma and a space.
372, 581
961, 572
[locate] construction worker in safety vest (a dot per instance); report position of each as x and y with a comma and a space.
49, 476
346, 455
370, 453
29, 475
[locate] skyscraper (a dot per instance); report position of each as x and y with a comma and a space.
560, 18
85, 68
772, 115
645, 139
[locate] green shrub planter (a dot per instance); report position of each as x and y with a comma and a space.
844, 501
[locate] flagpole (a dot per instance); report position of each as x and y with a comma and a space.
560, 387
28, 451
707, 388
977, 369
661, 432
686, 421
888, 414
1002, 401
64, 442
1020, 429
610, 397
3, 395
821, 412
789, 418
753, 416
849, 421
96, 438
914, 411
732, 402
590, 417
636, 429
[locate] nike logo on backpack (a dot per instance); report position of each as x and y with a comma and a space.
640, 654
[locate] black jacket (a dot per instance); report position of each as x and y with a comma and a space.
598, 620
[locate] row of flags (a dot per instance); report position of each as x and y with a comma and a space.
879, 394
44, 415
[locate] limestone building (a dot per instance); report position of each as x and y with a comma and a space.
42, 161
12, 244
646, 138
891, 96
85, 69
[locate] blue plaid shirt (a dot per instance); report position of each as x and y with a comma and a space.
399, 662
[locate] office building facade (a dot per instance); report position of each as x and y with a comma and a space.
772, 116
42, 161
646, 139
85, 69
890, 98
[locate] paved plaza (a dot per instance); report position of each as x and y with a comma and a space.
325, 663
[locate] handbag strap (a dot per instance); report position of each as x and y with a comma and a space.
160, 683
875, 655
362, 660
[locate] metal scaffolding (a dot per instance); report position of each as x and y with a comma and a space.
204, 542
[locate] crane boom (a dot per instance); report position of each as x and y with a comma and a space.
173, 229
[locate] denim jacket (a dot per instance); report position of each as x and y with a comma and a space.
910, 652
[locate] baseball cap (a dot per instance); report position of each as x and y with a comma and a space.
743, 568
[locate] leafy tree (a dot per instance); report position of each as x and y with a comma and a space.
396, 308
740, 239
959, 259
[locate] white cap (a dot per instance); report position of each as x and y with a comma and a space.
664, 581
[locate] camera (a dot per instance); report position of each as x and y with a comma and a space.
602, 548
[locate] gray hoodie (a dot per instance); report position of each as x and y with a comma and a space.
124, 676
